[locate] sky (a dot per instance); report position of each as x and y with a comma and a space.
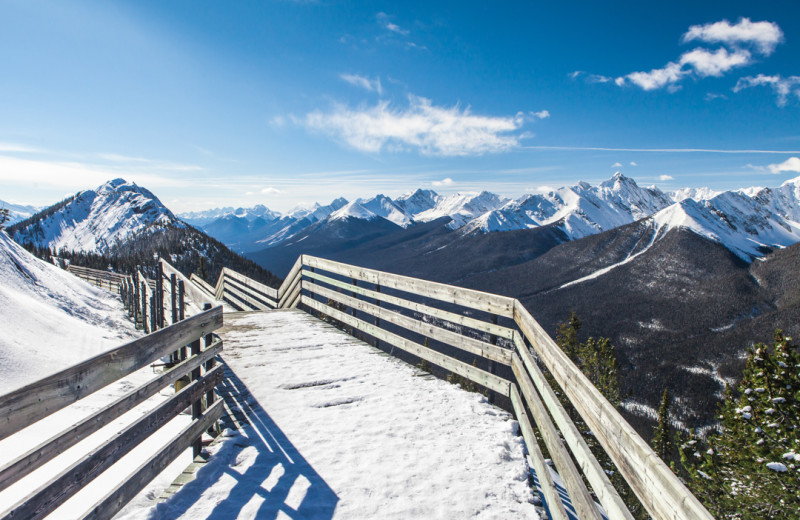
284, 102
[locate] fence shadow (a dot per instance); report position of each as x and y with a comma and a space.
265, 474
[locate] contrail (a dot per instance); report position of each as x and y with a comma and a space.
658, 150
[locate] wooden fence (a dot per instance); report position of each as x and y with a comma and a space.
493, 341
192, 348
105, 279
490, 340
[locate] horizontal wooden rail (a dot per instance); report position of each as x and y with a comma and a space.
44, 452
37, 400
477, 375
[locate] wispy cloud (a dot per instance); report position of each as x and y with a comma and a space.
617, 165
270, 191
666, 178
20, 148
422, 126
764, 35
761, 37
149, 163
792, 164
542, 114
633, 163
591, 78
371, 85
782, 87
444, 182
383, 19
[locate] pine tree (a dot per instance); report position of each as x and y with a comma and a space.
751, 468
662, 440
4, 217
567, 336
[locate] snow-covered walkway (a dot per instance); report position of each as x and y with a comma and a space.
340, 430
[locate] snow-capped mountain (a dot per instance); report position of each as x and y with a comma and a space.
203, 218
97, 220
383, 206
418, 201
18, 212
580, 210
462, 207
747, 226
692, 193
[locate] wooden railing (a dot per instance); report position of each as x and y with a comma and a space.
105, 279
38, 400
495, 342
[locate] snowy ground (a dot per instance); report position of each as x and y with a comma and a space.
340, 430
50, 319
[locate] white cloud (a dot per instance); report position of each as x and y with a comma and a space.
666, 178
765, 36
707, 63
431, 129
762, 36
444, 182
591, 78
372, 85
617, 165
542, 114
383, 18
633, 163
270, 191
14, 147
656, 78
792, 164
783, 87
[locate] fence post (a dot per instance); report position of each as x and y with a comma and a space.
145, 326
492, 369
173, 297
209, 339
153, 319
135, 310
197, 445
160, 295
181, 301
377, 320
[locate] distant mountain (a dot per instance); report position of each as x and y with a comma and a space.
96, 221
579, 210
17, 212
461, 208
125, 226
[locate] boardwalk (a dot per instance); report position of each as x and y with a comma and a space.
338, 429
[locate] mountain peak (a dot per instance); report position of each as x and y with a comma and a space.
618, 179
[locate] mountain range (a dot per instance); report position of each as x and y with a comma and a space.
682, 282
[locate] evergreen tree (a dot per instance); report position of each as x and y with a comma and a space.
662, 440
567, 336
4, 217
751, 468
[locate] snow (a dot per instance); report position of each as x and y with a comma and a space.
462, 207
777, 466
18, 212
50, 318
698, 194
353, 210
95, 220
340, 430
383, 206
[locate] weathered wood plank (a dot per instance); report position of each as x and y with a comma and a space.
115, 500
458, 319
234, 300
245, 299
660, 491
293, 298
606, 494
291, 288
61, 487
290, 278
578, 494
488, 302
202, 285
37, 400
253, 285
451, 338
197, 297
551, 496
477, 375
253, 298
44, 452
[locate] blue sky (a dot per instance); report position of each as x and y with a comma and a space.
281, 102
